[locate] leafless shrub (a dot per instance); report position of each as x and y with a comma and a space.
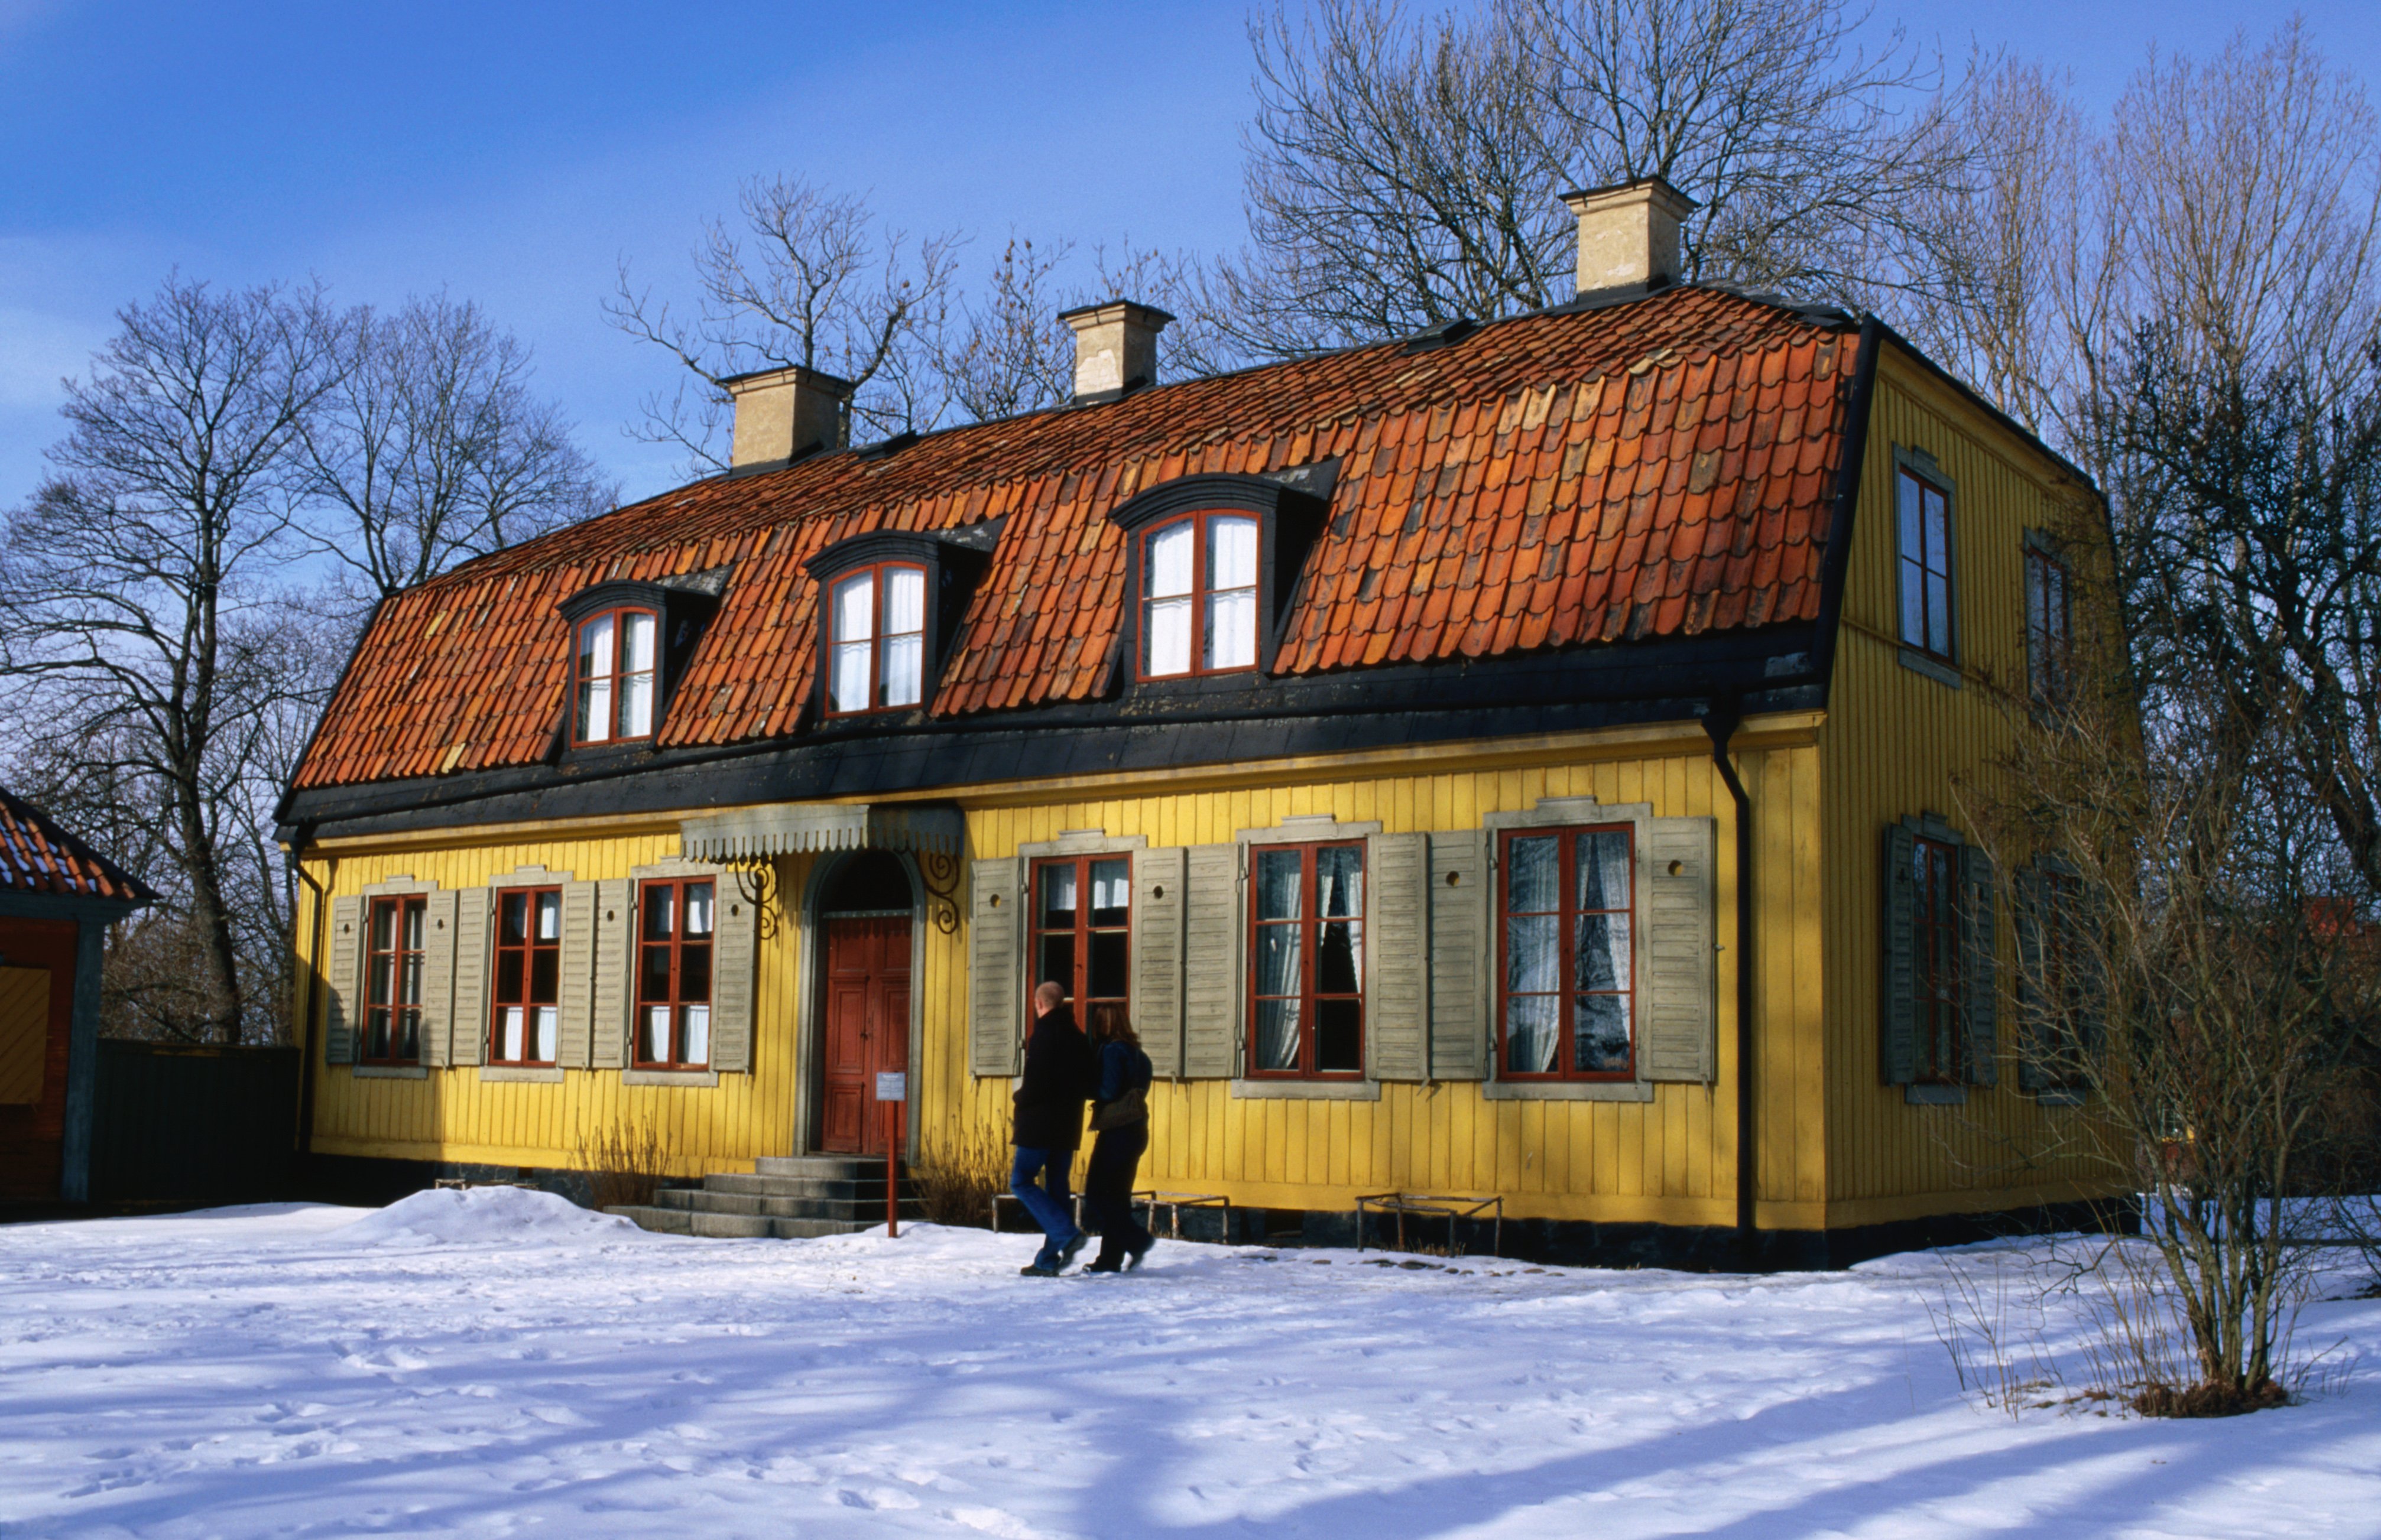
624, 1159
957, 1179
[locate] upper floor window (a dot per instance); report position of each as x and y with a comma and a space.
1199, 595
1940, 1028
1083, 930
393, 981
1924, 510
674, 931
1568, 1000
1307, 961
2047, 641
528, 976
877, 616
616, 676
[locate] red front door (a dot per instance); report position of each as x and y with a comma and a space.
867, 1025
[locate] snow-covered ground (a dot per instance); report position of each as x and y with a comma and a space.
499, 1364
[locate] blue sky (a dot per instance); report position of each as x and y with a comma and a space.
513, 152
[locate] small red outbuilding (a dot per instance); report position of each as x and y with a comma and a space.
57, 898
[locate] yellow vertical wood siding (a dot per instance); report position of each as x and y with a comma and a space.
1896, 743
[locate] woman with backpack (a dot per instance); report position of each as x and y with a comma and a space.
1121, 1118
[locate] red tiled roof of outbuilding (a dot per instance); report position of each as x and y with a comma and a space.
37, 856
1663, 467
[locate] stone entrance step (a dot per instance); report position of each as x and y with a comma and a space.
786, 1198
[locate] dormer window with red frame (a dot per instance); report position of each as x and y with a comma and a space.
878, 646
1199, 595
614, 676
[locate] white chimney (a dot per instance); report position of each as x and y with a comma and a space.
1115, 348
781, 413
1629, 234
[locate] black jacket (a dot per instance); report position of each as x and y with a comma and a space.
1061, 1073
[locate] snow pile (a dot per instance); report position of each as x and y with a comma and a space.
479, 1216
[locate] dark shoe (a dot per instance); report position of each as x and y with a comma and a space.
1037, 1269
1140, 1253
1072, 1249
1104, 1265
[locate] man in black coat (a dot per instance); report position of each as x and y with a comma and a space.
1059, 1074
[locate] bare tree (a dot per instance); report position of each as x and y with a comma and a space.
430, 448
810, 279
133, 596
2187, 969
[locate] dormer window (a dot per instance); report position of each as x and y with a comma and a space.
1212, 567
1199, 589
616, 676
877, 659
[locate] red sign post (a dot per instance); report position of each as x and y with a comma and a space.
891, 1090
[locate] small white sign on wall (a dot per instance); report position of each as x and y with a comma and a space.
893, 1085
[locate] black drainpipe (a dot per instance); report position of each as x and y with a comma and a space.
1720, 721
306, 1017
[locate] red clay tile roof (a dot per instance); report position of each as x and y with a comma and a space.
37, 856
1658, 468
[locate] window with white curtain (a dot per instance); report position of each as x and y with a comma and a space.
876, 658
614, 669
528, 976
1307, 961
1568, 996
1199, 595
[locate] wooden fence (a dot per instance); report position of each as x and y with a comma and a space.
194, 1123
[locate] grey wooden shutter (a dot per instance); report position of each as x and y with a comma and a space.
1157, 877
1979, 985
615, 961
438, 978
995, 940
1459, 954
2034, 1027
1680, 997
1211, 963
1397, 957
577, 961
735, 958
1897, 1024
471, 1034
344, 976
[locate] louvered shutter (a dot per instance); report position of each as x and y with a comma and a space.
735, 939
346, 980
1460, 951
470, 1036
1979, 985
614, 958
1211, 963
1397, 957
577, 961
2034, 1026
438, 978
1680, 995
1157, 877
1898, 1025
996, 939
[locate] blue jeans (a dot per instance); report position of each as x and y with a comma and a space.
1047, 1199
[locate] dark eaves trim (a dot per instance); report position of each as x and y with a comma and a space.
1968, 394
1836, 571
1149, 727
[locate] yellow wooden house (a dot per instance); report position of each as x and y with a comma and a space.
1514, 761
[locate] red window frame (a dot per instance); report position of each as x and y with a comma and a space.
525, 955
1201, 595
2048, 633
1940, 1027
669, 969
1566, 915
876, 573
582, 677
1083, 935
1310, 997
1921, 571
391, 973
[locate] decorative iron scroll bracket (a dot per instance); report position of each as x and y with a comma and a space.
756, 884
940, 873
